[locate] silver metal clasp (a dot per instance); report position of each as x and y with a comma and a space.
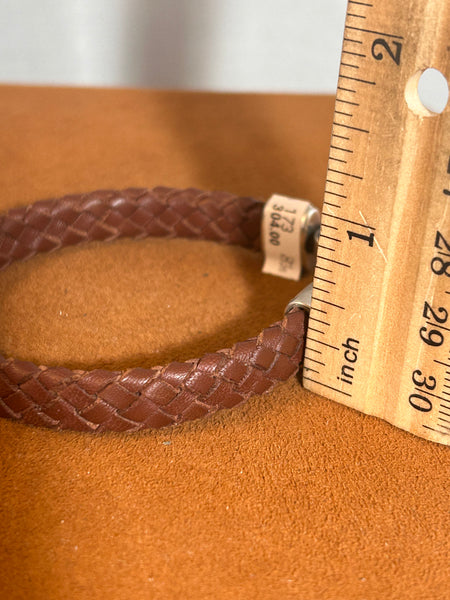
301, 300
310, 228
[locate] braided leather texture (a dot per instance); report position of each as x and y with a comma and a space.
139, 398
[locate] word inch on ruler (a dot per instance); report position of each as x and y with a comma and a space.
379, 330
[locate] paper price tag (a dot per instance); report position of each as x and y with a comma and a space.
281, 236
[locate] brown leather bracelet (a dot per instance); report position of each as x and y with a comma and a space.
138, 398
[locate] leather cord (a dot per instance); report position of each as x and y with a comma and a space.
138, 398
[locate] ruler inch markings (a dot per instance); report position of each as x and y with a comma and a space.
329, 227
326, 281
305, 368
444, 426
312, 349
439, 362
345, 174
380, 33
358, 79
315, 361
329, 237
435, 430
347, 102
376, 194
317, 320
329, 386
343, 89
337, 262
343, 149
341, 160
352, 41
364, 225
323, 343
322, 290
327, 302
353, 53
350, 127
342, 137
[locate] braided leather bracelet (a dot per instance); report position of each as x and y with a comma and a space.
139, 398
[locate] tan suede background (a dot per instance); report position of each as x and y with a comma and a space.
289, 496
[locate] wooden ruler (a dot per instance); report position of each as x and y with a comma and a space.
379, 328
